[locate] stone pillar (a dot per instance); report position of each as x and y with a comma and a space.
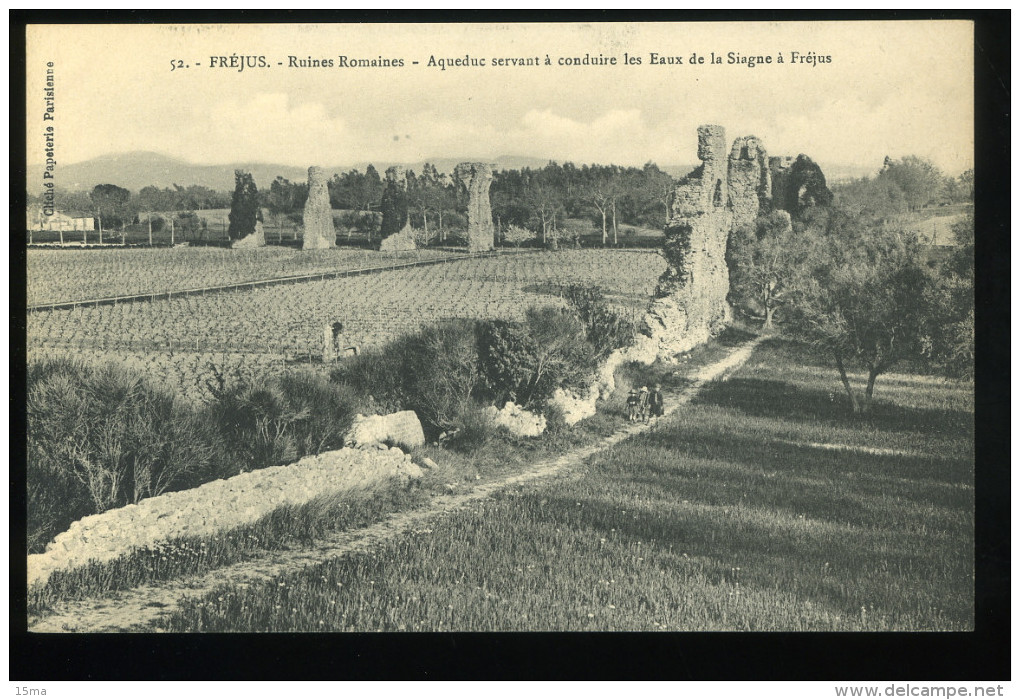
395, 229
319, 231
750, 181
477, 177
712, 153
690, 299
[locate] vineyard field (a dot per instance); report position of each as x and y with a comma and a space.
184, 341
69, 275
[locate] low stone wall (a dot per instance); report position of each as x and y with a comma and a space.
218, 506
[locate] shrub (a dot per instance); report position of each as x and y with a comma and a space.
433, 372
276, 420
574, 230
99, 438
516, 235
506, 357
421, 238
441, 372
352, 220
475, 430
54, 500
324, 411
526, 362
605, 328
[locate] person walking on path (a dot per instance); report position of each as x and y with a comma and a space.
655, 401
643, 404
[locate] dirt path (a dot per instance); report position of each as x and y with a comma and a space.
135, 610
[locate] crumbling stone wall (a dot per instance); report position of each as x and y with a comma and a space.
730, 189
798, 184
750, 180
218, 506
398, 236
477, 177
318, 221
690, 298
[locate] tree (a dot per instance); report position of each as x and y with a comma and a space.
244, 207
869, 301
659, 188
516, 235
966, 180
394, 206
764, 262
871, 198
545, 201
110, 203
918, 178
601, 194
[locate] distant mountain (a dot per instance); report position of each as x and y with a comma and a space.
138, 169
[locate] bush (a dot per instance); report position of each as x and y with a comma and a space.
517, 235
526, 362
572, 231
605, 329
361, 221
54, 500
100, 438
324, 411
433, 372
280, 419
441, 373
474, 431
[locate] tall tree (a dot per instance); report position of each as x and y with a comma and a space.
918, 178
764, 262
868, 300
544, 199
244, 207
110, 203
600, 192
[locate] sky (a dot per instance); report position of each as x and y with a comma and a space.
887, 88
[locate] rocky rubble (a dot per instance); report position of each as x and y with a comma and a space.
219, 505
517, 420
255, 239
401, 428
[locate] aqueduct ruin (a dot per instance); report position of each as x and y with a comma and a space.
319, 230
730, 189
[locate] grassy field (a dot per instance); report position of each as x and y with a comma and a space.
763, 506
67, 275
183, 341
289, 527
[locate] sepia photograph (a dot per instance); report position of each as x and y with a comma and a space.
499, 327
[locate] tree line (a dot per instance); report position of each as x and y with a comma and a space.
547, 201
553, 202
